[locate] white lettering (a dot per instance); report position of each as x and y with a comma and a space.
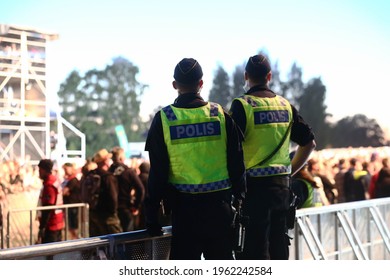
262, 117
179, 131
199, 129
270, 117
210, 129
190, 130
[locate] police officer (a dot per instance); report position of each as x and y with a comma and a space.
197, 161
269, 122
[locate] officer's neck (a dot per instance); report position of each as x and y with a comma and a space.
260, 90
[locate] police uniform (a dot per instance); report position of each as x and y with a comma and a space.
266, 122
197, 161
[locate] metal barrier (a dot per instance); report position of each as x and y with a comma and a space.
353, 231
83, 220
345, 231
135, 245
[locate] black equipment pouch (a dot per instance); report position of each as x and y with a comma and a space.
291, 213
239, 224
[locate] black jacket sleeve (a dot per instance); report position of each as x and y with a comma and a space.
235, 157
159, 169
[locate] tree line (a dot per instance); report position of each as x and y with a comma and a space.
99, 100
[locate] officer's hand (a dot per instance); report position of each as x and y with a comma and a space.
154, 229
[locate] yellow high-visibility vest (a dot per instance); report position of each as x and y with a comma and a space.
196, 142
267, 121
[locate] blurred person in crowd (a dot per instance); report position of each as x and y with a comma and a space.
316, 170
354, 182
382, 183
144, 169
51, 222
15, 179
309, 193
367, 168
103, 216
88, 166
4, 182
131, 190
339, 180
72, 194
374, 179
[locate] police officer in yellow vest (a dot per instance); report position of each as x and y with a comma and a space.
196, 158
268, 122
306, 188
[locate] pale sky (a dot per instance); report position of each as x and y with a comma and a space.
346, 43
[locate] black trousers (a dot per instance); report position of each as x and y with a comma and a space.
201, 227
126, 219
102, 223
266, 204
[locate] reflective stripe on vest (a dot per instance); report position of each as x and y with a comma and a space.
172, 117
169, 113
203, 188
268, 171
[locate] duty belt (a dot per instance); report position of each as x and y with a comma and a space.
270, 170
203, 188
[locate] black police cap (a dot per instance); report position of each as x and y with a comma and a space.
188, 71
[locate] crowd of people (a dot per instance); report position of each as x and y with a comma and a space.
112, 186
345, 175
62, 184
18, 176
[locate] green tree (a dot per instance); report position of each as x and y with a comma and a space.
238, 81
357, 131
295, 86
221, 91
312, 108
148, 122
102, 99
276, 84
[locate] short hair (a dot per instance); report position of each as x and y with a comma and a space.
46, 164
68, 164
117, 153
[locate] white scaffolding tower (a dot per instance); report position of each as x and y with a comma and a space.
26, 116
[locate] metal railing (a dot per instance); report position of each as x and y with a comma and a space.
83, 221
135, 245
347, 231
